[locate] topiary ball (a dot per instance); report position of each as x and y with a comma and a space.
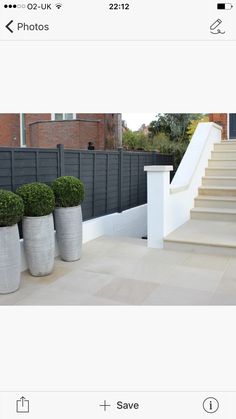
38, 199
68, 191
11, 208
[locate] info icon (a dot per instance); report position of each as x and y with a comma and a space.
211, 405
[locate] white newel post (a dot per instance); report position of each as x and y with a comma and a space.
158, 186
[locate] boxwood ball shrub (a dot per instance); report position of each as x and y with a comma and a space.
38, 199
68, 191
11, 208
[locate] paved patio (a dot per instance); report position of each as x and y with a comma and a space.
123, 271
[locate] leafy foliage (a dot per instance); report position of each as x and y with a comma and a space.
38, 199
137, 141
68, 191
193, 124
169, 134
11, 208
174, 125
177, 150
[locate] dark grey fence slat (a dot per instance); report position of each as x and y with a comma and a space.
130, 179
61, 159
120, 179
13, 170
94, 182
114, 180
37, 165
79, 161
107, 182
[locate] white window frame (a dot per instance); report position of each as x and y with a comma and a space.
64, 116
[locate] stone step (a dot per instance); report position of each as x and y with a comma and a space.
226, 145
223, 163
215, 202
217, 190
213, 214
219, 181
200, 236
199, 248
221, 172
221, 155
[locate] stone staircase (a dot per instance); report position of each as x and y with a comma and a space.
213, 219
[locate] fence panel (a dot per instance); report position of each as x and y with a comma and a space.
114, 180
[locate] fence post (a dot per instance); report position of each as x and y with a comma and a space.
120, 178
154, 157
158, 186
61, 151
12, 170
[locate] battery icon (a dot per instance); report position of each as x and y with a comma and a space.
224, 6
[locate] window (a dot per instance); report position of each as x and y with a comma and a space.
63, 116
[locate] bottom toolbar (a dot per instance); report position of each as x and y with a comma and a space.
148, 405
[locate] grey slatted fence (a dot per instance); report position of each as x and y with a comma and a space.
114, 180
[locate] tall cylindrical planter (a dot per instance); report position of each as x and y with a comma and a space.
68, 223
39, 244
10, 260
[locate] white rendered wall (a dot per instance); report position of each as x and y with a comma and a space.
172, 209
188, 178
131, 223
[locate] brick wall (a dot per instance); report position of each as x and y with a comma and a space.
221, 119
108, 127
30, 118
73, 134
40, 131
9, 130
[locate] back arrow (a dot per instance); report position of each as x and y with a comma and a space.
8, 26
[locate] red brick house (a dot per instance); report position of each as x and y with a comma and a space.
227, 121
72, 130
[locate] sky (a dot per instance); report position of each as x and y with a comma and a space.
135, 120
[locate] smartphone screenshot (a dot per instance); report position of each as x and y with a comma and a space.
117, 209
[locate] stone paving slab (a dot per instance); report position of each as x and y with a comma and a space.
123, 271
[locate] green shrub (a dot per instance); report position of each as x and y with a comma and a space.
38, 199
164, 145
11, 208
68, 191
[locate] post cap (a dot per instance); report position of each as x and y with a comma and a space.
158, 168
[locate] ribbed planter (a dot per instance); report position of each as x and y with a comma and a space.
10, 260
68, 223
39, 244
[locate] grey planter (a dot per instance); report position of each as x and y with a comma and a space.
68, 223
39, 244
10, 260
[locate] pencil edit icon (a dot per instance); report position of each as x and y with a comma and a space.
214, 28
22, 405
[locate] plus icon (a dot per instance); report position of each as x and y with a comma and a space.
105, 405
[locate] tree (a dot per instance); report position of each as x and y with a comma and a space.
193, 124
174, 125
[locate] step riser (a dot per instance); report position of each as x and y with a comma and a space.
219, 182
222, 163
208, 203
199, 248
223, 155
220, 172
212, 216
225, 147
218, 192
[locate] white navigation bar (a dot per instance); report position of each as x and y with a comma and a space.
118, 405
107, 20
